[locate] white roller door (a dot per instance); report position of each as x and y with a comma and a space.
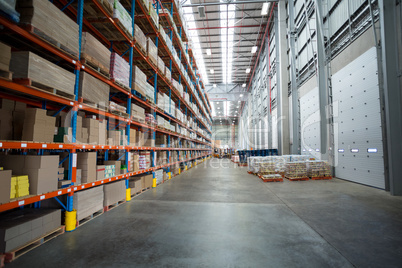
358, 150
310, 124
274, 116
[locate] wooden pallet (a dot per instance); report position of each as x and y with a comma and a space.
269, 180
121, 114
321, 178
93, 64
115, 205
6, 75
249, 172
50, 40
38, 86
298, 179
94, 105
242, 164
121, 85
13, 255
140, 48
89, 218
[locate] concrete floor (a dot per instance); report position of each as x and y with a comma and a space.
223, 217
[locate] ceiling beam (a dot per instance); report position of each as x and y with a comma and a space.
230, 2
213, 28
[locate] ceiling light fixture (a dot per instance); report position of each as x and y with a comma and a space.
244, 85
209, 53
215, 86
264, 9
241, 95
212, 71
254, 49
248, 70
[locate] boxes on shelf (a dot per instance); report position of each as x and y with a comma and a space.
135, 185
64, 135
133, 134
6, 124
86, 161
161, 66
120, 13
114, 192
140, 38
153, 14
95, 52
139, 80
50, 23
19, 186
78, 177
152, 51
149, 91
60, 174
140, 138
93, 90
100, 172
114, 107
159, 176
144, 160
168, 74
93, 130
38, 126
116, 164
161, 141
41, 73
138, 113
5, 57
6, 191
146, 181
88, 202
102, 132
63, 183
134, 161
110, 171
113, 137
119, 70
23, 226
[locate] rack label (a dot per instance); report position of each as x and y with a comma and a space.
59, 192
20, 203
68, 190
60, 146
83, 146
44, 145
74, 62
80, 106
101, 181
75, 188
42, 197
1, 144
93, 184
71, 103
74, 159
83, 186
23, 145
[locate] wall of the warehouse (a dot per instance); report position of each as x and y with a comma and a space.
227, 134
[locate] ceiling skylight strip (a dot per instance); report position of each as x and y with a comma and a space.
228, 13
196, 45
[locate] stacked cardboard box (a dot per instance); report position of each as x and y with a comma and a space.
5, 57
161, 141
50, 23
113, 137
60, 173
95, 52
159, 176
318, 168
114, 107
78, 178
28, 65
146, 181
100, 172
168, 73
140, 139
152, 51
140, 38
161, 66
149, 91
153, 14
117, 165
119, 69
19, 186
139, 80
114, 192
138, 113
110, 171
6, 119
93, 130
93, 90
88, 202
20, 227
135, 185
5, 186
87, 163
134, 162
133, 134
296, 170
64, 183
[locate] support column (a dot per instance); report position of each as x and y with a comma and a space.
392, 93
283, 99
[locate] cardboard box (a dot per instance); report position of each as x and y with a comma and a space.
117, 165
42, 161
87, 163
5, 186
147, 181
5, 57
42, 180
6, 124
114, 192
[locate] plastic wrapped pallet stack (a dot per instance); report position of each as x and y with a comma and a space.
120, 13
139, 80
296, 169
159, 176
140, 38
95, 52
318, 168
94, 90
152, 51
119, 69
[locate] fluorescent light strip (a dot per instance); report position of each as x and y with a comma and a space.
197, 51
228, 13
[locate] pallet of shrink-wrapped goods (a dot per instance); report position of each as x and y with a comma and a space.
95, 54
139, 80
150, 92
168, 74
318, 169
114, 192
161, 66
47, 21
140, 39
93, 91
124, 19
120, 70
88, 202
153, 14
31, 70
152, 51
296, 170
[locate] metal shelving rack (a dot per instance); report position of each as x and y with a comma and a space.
38, 98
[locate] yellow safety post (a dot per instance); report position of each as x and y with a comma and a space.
185, 167
179, 171
154, 183
169, 175
71, 220
128, 194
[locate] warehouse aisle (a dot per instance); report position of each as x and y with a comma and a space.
223, 217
